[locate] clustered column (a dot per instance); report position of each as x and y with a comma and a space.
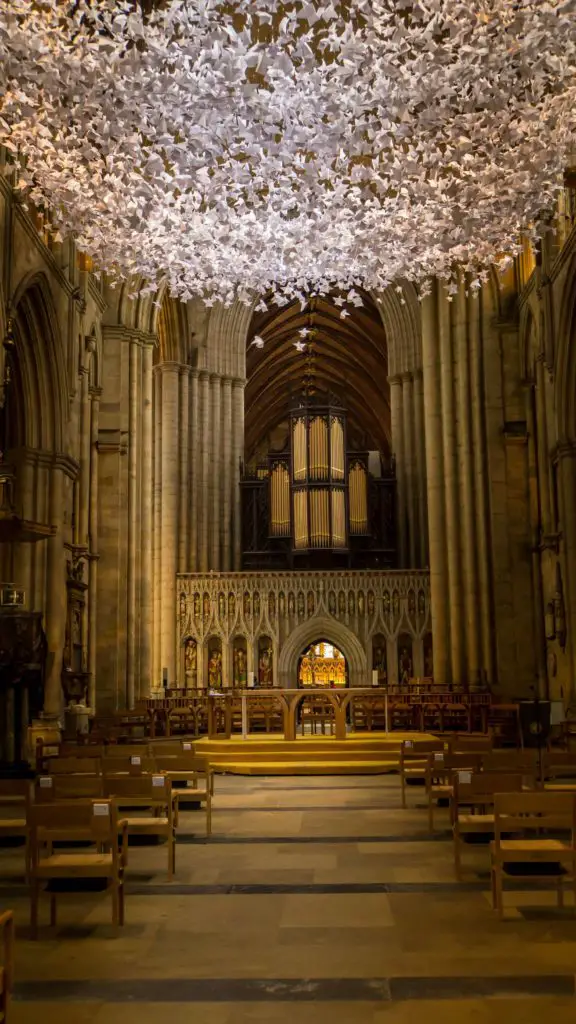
406, 407
456, 485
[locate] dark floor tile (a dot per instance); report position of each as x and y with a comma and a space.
481, 987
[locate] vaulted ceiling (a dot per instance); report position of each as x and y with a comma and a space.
350, 360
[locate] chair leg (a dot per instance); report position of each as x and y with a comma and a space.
34, 896
403, 788
121, 914
208, 815
53, 911
498, 892
115, 904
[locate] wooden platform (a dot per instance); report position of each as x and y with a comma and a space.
358, 754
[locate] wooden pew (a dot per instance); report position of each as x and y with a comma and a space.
75, 766
7, 965
439, 776
536, 812
149, 793
51, 788
71, 821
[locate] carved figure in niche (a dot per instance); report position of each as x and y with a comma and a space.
371, 602
405, 667
351, 603
411, 603
215, 669
291, 604
272, 605
332, 603
221, 606
256, 605
231, 606
190, 657
282, 604
300, 605
240, 667
360, 602
342, 603
421, 606
206, 607
76, 627
247, 604
428, 657
379, 660
196, 605
386, 603
182, 606
395, 603
265, 667
310, 603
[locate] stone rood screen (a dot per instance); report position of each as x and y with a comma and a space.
235, 627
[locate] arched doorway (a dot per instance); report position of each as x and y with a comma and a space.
321, 665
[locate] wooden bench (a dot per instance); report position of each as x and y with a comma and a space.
95, 821
75, 766
7, 965
414, 762
439, 776
537, 812
50, 788
147, 793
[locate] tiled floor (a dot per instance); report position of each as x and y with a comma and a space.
321, 892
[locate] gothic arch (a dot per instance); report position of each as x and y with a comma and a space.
322, 627
39, 373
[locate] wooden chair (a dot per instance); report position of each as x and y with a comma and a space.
523, 761
414, 762
439, 777
16, 797
470, 744
135, 764
475, 791
539, 813
7, 965
189, 770
147, 793
95, 821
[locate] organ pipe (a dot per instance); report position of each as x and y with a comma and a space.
301, 519
337, 448
358, 499
338, 518
280, 501
318, 449
299, 452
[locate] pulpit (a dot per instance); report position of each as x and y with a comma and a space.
22, 664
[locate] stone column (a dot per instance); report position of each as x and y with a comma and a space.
542, 441
237, 456
535, 523
56, 600
397, 424
409, 483
451, 495
84, 480
157, 527
465, 465
227, 468
435, 485
183, 534
133, 519
480, 469
420, 457
194, 451
146, 611
169, 517
93, 547
203, 506
215, 504
567, 496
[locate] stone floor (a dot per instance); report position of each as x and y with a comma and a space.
316, 891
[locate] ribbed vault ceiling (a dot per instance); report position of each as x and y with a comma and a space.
351, 360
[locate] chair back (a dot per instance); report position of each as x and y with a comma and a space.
471, 761
50, 788
126, 750
469, 744
418, 750
182, 763
72, 820
511, 761
15, 791
481, 787
75, 766
153, 786
534, 810
558, 763
135, 764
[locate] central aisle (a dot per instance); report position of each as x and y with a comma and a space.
316, 891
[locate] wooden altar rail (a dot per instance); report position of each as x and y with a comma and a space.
218, 713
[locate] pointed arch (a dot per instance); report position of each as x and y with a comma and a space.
328, 628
